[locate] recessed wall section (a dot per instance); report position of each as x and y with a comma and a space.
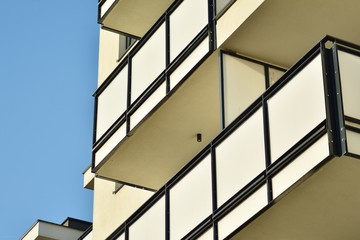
191, 200
244, 82
148, 63
240, 157
186, 22
297, 108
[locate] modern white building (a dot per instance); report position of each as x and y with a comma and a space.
227, 119
70, 229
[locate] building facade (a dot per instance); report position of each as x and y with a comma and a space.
225, 119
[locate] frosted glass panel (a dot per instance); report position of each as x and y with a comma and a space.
297, 108
151, 225
274, 75
189, 63
243, 212
148, 63
190, 200
185, 23
220, 4
110, 144
300, 166
244, 82
208, 235
112, 103
353, 142
240, 157
148, 105
350, 83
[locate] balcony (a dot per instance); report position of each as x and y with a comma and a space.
133, 17
162, 94
287, 167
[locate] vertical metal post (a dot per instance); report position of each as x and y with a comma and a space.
211, 24
333, 99
267, 147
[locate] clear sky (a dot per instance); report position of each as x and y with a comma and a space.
48, 72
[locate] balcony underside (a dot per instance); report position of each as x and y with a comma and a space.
155, 150
322, 207
135, 17
280, 31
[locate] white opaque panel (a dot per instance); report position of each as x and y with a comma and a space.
191, 200
148, 63
189, 63
105, 7
89, 236
244, 82
300, 166
121, 237
240, 157
151, 225
297, 108
350, 83
274, 75
353, 142
189, 18
110, 144
112, 103
243, 212
148, 105
208, 235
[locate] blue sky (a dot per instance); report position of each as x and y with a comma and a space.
48, 72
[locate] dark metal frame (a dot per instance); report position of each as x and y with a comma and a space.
271, 170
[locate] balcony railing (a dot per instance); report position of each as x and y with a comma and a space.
297, 125
152, 69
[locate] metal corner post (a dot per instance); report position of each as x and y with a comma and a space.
333, 100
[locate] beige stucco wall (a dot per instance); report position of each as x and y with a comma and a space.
108, 54
111, 210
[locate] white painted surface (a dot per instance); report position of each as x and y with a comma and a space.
300, 166
296, 109
190, 200
121, 237
148, 105
350, 83
243, 212
106, 6
240, 158
110, 144
185, 23
151, 225
112, 103
46, 230
208, 235
89, 236
274, 75
353, 142
244, 82
234, 17
148, 63
189, 63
